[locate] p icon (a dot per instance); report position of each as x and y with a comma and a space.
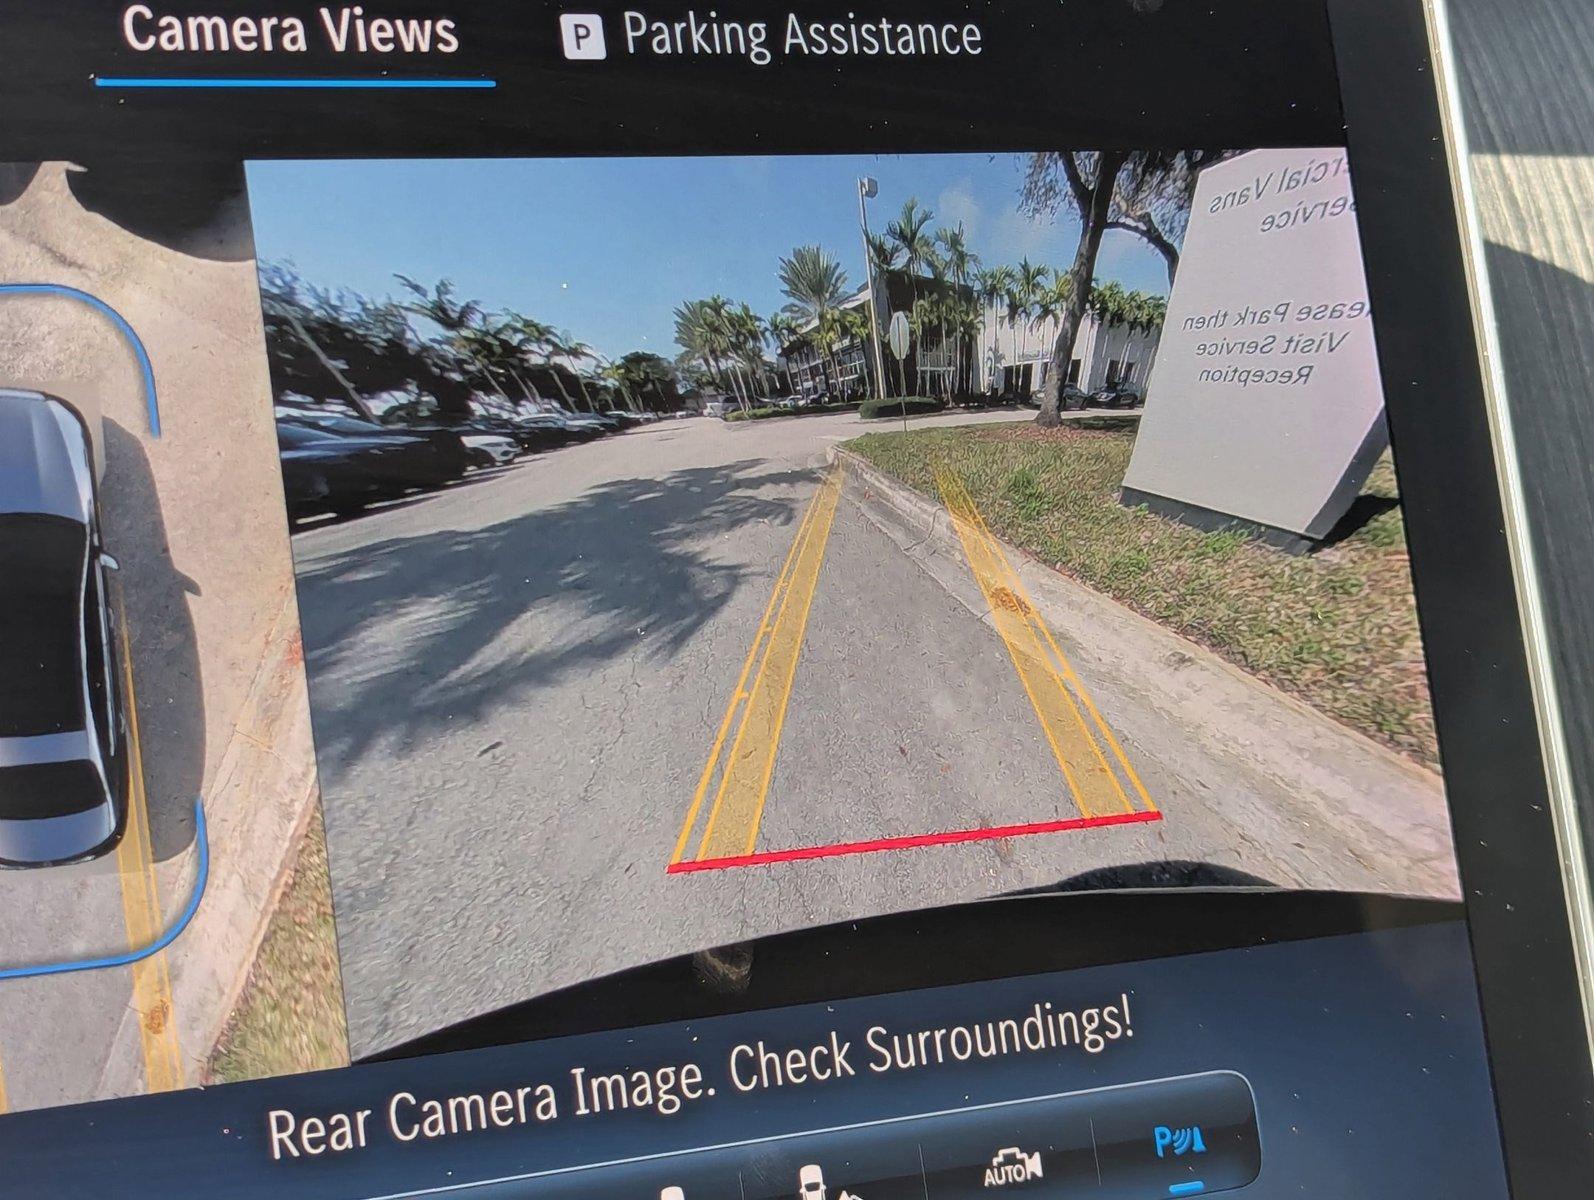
583, 35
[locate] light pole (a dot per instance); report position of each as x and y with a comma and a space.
868, 189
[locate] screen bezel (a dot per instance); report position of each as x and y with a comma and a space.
1489, 728
1464, 573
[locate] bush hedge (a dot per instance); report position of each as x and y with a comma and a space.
767, 411
894, 406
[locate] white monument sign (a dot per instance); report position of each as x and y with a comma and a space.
1264, 402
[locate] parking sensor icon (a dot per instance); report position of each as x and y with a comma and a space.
583, 36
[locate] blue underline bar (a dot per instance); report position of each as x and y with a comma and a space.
288, 82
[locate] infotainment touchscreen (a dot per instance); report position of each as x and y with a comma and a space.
715, 603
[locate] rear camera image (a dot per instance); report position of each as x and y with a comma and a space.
690, 549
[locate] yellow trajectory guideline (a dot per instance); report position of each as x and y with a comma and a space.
1100, 780
757, 710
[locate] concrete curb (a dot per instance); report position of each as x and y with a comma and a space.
1377, 810
262, 798
265, 787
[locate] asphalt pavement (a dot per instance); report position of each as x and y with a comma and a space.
696, 683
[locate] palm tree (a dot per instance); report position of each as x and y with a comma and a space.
993, 285
882, 257
812, 279
853, 324
462, 324
785, 331
702, 330
578, 352
960, 264
966, 323
525, 342
1150, 311
910, 235
728, 334
615, 375
492, 355
1108, 302
1029, 284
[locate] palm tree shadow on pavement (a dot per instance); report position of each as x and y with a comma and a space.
627, 567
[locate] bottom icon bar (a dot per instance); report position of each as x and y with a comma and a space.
1190, 1136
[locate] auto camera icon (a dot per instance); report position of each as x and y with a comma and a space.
1012, 1165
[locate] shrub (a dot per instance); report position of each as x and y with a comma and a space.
893, 406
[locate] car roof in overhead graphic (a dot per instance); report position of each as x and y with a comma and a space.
44, 458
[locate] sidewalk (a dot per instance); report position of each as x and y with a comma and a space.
1311, 802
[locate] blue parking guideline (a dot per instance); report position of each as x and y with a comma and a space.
145, 368
1186, 1189
289, 82
201, 878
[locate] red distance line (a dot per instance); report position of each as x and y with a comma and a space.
913, 842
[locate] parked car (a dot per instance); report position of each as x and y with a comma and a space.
1117, 395
490, 449
610, 423
544, 431
446, 462
584, 427
63, 719
1073, 398
627, 420
328, 472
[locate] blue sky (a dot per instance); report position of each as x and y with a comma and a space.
606, 248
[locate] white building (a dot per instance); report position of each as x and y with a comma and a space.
1014, 357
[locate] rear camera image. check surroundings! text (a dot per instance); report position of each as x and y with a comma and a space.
690, 549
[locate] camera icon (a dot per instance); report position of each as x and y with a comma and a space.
583, 36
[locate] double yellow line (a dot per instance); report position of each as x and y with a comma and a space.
757, 710
1095, 768
141, 911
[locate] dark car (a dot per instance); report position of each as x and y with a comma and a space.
540, 431
447, 461
560, 429
63, 719
1073, 398
1117, 395
328, 472
585, 426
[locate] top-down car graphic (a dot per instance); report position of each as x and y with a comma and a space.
63, 720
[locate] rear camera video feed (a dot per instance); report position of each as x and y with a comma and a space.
690, 549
